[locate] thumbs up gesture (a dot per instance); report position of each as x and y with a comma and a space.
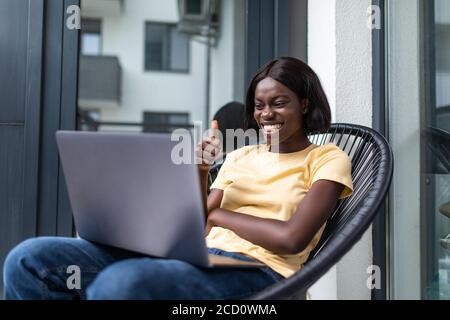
208, 149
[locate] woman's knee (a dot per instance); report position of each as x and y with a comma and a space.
143, 278
37, 253
26, 249
25, 256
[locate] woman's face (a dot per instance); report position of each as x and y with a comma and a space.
279, 113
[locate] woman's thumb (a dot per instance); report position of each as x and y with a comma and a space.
214, 128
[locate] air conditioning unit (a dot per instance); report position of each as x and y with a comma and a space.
199, 17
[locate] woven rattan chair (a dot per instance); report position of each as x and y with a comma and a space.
372, 167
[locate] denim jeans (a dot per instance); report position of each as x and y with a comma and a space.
40, 268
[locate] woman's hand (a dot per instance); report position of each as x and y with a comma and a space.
208, 150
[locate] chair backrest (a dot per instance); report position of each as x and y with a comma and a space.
358, 143
372, 167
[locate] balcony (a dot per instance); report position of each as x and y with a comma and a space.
101, 8
99, 83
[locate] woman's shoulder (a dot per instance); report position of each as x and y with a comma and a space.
327, 150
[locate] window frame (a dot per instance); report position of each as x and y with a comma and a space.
98, 32
175, 71
380, 235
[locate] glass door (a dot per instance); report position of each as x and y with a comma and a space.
435, 146
418, 99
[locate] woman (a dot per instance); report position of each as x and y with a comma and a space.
268, 203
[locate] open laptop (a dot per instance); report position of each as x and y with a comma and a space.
125, 191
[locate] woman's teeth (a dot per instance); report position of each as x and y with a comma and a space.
272, 127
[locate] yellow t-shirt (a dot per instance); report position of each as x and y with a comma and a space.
271, 185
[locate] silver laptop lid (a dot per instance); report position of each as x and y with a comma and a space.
125, 191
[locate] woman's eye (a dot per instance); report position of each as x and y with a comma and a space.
280, 103
258, 106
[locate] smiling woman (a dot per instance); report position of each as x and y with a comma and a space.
269, 203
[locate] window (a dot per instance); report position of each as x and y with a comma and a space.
193, 7
165, 121
91, 37
166, 49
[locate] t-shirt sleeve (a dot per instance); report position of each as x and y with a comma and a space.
333, 164
221, 181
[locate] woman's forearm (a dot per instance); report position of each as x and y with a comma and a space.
203, 174
270, 234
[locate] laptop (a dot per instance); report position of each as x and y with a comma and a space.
127, 192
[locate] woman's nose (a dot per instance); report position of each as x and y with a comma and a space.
267, 114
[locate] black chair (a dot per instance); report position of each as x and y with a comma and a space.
372, 167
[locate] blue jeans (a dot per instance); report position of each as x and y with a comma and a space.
40, 268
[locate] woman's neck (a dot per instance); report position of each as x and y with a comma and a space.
291, 146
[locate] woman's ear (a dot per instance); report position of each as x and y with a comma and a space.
305, 106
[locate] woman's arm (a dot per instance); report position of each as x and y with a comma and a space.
283, 237
214, 199
206, 152
203, 175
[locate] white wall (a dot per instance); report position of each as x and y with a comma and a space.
354, 105
339, 50
322, 58
322, 46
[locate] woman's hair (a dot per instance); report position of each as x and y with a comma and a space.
231, 116
303, 81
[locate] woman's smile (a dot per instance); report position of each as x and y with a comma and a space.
271, 128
